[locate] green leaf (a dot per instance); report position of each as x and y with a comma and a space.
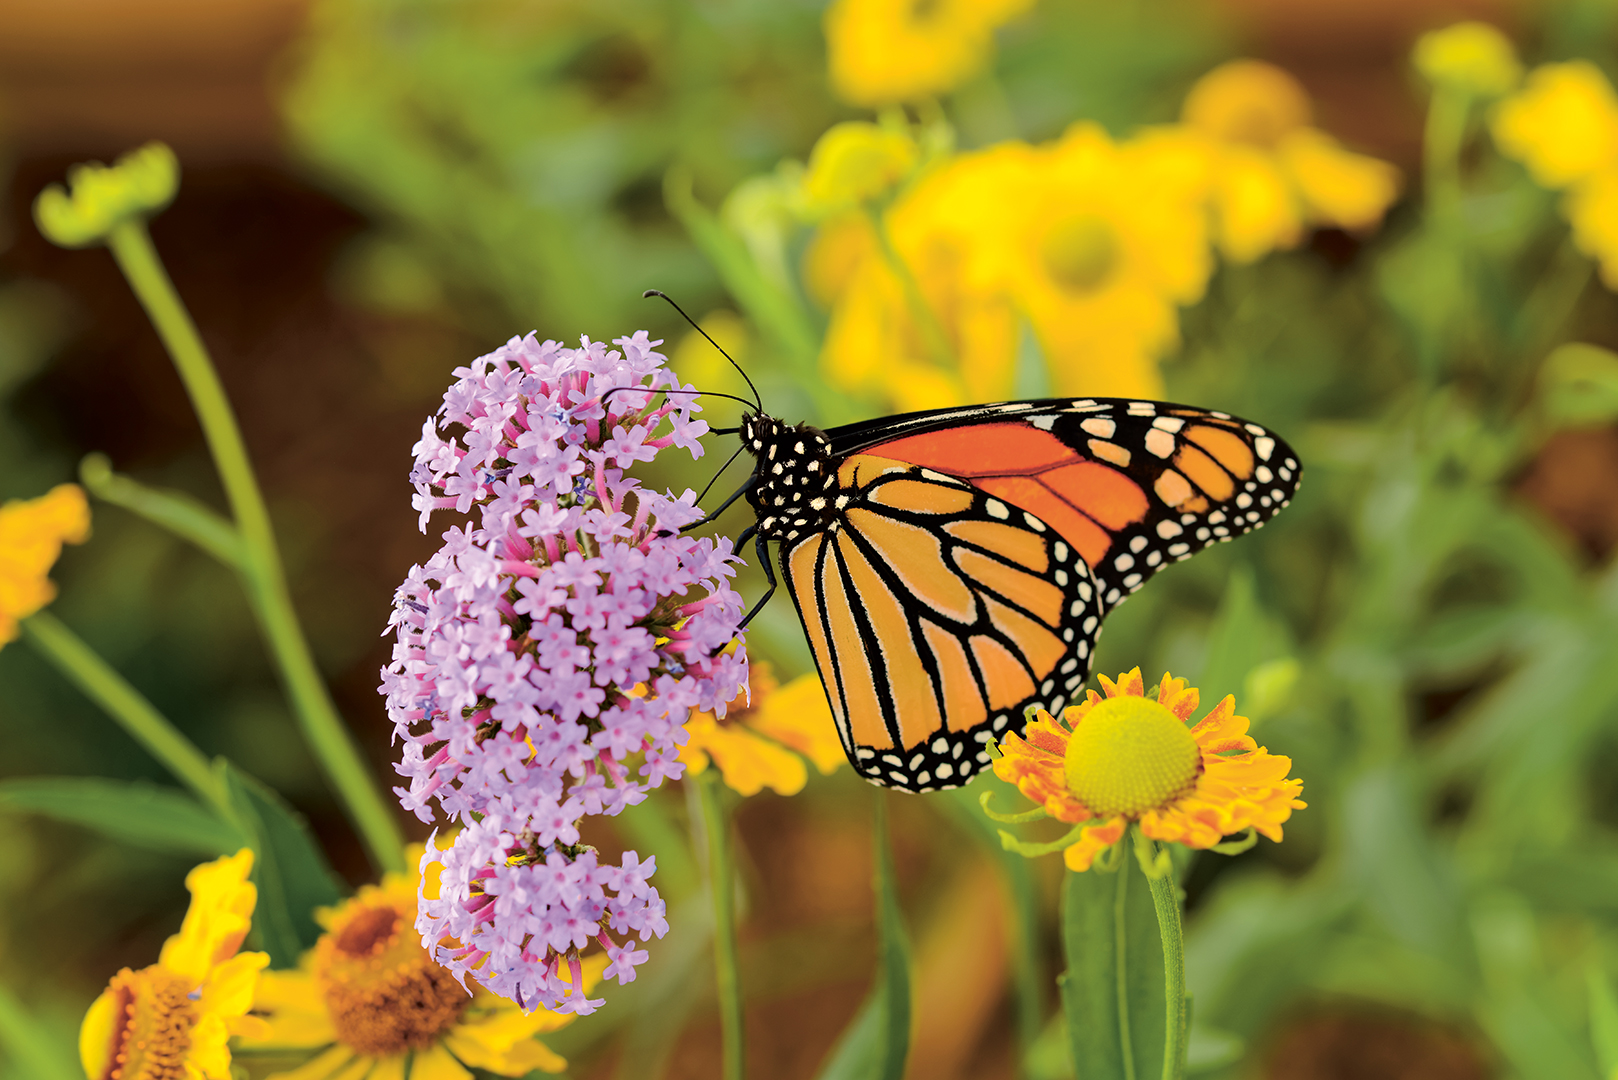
1603, 1021
1112, 991
292, 875
1210, 1049
876, 1043
27, 1042
1242, 637
1578, 385
152, 817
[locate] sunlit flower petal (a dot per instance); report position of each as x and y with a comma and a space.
1128, 756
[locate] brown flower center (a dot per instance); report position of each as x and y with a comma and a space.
154, 1035
384, 993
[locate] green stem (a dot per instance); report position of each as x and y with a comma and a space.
1441, 150
934, 338
1167, 902
1120, 938
721, 883
261, 571
85, 669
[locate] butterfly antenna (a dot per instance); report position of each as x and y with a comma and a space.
728, 463
758, 401
704, 393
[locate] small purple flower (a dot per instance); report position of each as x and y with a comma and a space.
549, 654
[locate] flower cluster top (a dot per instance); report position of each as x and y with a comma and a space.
549, 654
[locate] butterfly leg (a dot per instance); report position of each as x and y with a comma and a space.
762, 546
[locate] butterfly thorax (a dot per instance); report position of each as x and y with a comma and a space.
794, 485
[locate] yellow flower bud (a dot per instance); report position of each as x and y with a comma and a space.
855, 162
1471, 56
140, 184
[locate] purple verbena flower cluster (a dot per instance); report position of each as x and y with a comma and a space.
549, 654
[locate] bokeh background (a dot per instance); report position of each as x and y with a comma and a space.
375, 191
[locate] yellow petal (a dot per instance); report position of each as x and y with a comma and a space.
1340, 188
1255, 208
391, 1067
435, 1063
320, 1067
230, 986
748, 763
514, 1059
221, 908
798, 716
293, 1009
209, 1051
102, 1023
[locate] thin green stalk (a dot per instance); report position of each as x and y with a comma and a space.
1120, 938
934, 338
721, 882
85, 669
1167, 903
1445, 134
261, 569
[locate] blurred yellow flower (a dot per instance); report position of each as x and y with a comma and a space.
751, 744
885, 51
174, 1019
1096, 244
1472, 57
855, 162
369, 994
1563, 124
1131, 757
1091, 244
32, 533
1268, 174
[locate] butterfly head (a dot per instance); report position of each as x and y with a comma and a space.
795, 479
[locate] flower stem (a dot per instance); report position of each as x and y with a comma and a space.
89, 672
261, 570
727, 975
935, 339
1166, 900
1120, 938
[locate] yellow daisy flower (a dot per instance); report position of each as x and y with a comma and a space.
376, 1005
1563, 125
855, 162
750, 744
174, 1019
1267, 172
1131, 757
32, 532
885, 51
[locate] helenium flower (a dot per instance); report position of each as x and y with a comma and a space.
549, 654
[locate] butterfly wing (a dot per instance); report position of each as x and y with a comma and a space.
1132, 485
937, 614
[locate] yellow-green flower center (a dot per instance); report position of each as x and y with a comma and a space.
1130, 754
1080, 252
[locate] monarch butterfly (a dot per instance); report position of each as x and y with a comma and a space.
952, 568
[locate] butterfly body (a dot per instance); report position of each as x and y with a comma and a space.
952, 568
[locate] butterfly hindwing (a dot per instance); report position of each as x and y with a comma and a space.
937, 613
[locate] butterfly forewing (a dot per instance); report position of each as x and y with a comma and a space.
1133, 485
937, 614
